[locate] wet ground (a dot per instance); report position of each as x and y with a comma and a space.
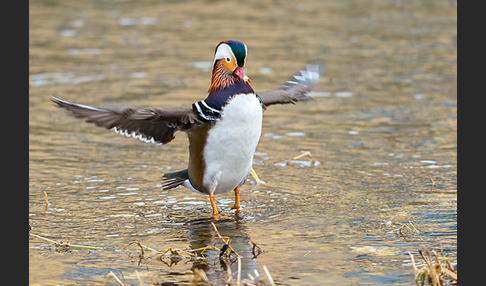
382, 129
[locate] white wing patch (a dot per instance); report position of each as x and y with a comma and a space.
136, 135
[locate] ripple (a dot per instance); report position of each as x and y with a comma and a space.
68, 33
205, 66
42, 79
167, 201
127, 194
108, 197
428, 161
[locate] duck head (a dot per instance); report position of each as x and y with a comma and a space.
229, 64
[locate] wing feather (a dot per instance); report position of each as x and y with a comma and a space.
294, 90
156, 125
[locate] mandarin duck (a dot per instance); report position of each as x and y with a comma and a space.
223, 129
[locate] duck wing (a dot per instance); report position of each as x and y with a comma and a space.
296, 89
155, 125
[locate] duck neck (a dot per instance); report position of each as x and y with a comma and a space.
224, 86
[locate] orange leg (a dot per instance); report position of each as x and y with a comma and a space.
216, 214
236, 206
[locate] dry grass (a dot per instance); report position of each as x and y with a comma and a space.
303, 154
227, 255
437, 271
406, 230
61, 245
199, 278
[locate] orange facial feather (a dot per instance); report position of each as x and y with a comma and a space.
221, 78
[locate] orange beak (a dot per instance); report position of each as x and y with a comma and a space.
240, 72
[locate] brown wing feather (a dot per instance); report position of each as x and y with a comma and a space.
285, 96
156, 125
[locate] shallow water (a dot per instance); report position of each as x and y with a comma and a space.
382, 129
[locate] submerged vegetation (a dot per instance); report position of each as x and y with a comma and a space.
434, 269
227, 257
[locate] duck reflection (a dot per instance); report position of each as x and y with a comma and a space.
230, 240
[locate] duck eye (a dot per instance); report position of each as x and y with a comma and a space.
228, 60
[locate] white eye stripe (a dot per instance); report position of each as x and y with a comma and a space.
223, 52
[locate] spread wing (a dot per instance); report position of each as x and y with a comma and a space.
295, 90
156, 125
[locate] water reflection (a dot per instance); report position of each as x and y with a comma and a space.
201, 234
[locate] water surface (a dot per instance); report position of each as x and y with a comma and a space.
382, 129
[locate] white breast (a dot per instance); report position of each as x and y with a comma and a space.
231, 143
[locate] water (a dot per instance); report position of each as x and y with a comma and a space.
382, 129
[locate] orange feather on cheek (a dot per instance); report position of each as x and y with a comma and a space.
221, 77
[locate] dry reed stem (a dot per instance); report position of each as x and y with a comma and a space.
255, 176
411, 229
199, 275
238, 274
199, 252
225, 239
111, 274
56, 243
139, 244
45, 198
268, 275
434, 272
303, 154
122, 283
64, 245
